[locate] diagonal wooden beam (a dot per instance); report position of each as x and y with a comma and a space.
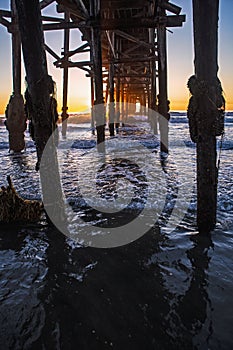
4, 22
132, 38
84, 9
132, 48
52, 53
78, 50
73, 10
60, 60
110, 43
45, 3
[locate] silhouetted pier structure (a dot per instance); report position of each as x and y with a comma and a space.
127, 44
127, 40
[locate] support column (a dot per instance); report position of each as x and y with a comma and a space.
39, 89
206, 68
117, 104
106, 92
141, 104
111, 100
162, 103
98, 77
122, 105
92, 106
16, 52
64, 114
154, 118
30, 25
144, 103
15, 115
126, 105
153, 93
134, 102
148, 102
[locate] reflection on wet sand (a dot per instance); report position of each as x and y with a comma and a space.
100, 298
193, 307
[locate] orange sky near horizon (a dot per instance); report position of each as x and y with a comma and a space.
180, 62
82, 105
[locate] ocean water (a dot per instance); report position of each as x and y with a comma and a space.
169, 289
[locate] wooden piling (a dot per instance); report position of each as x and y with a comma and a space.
64, 114
143, 103
39, 88
117, 124
111, 99
30, 25
206, 68
98, 77
16, 52
122, 105
15, 114
126, 105
92, 106
106, 92
162, 103
153, 107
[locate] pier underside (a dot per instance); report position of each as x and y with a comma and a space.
127, 65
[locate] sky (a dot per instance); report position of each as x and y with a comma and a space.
180, 60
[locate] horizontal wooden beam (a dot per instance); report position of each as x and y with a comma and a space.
121, 23
62, 64
121, 76
135, 60
123, 4
5, 13
52, 19
175, 21
78, 65
141, 22
138, 76
135, 82
66, 25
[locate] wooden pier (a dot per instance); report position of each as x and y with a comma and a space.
127, 41
128, 52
